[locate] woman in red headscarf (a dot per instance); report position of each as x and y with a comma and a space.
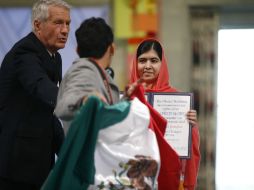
150, 66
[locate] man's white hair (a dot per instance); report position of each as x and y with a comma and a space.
40, 9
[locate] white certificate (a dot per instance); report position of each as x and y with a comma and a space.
174, 107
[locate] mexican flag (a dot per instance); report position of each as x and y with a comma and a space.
108, 147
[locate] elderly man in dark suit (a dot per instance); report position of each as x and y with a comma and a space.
30, 134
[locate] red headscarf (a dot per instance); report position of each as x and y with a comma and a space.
162, 82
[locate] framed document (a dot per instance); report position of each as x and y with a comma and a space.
174, 107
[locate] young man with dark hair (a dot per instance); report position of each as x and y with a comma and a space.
87, 75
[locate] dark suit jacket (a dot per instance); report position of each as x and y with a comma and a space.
29, 132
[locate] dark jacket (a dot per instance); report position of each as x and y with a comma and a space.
29, 132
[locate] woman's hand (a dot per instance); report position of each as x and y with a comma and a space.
192, 117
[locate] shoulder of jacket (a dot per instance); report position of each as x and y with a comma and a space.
85, 64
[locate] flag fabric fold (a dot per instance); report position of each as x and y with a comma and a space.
169, 174
108, 146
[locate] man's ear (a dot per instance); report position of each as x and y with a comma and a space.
112, 49
36, 24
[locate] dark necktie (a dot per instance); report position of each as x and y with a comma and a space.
55, 68
53, 57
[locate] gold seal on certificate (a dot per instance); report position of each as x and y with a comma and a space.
174, 107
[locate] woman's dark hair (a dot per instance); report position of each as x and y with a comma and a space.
93, 37
147, 45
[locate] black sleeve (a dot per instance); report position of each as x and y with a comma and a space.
35, 79
58, 135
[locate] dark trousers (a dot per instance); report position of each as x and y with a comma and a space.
7, 184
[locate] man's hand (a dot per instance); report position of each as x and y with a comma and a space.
131, 88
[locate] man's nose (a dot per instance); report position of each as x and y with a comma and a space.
65, 28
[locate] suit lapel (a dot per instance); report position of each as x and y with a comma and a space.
53, 67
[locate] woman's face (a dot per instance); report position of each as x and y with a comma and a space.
149, 65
